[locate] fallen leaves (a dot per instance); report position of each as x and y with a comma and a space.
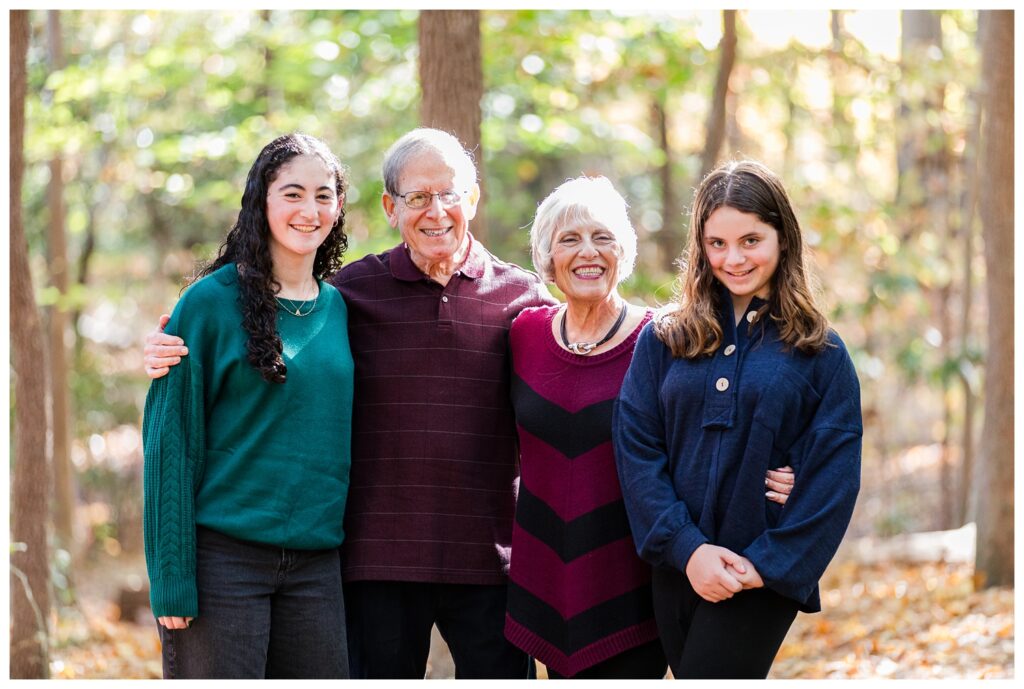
92, 643
921, 621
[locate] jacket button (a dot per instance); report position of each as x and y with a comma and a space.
730, 349
722, 384
751, 316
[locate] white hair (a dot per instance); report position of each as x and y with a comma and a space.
583, 201
419, 141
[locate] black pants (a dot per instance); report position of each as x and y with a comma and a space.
389, 625
641, 662
734, 639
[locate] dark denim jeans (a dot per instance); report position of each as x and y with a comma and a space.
390, 622
264, 612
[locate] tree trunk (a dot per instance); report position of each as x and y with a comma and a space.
924, 165
921, 30
63, 476
266, 90
716, 117
82, 277
994, 561
452, 83
29, 585
669, 240
968, 208
948, 502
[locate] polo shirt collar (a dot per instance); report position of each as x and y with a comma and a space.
403, 268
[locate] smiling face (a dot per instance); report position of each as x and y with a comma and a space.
585, 259
302, 207
743, 253
437, 236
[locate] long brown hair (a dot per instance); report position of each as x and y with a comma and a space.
692, 328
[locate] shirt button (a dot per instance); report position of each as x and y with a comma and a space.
730, 349
752, 316
458, 272
722, 384
444, 299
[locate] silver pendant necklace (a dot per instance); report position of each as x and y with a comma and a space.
585, 348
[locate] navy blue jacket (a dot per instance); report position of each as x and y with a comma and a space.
694, 438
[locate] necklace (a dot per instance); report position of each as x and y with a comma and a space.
294, 309
585, 348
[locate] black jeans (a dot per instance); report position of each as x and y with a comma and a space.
734, 639
389, 625
642, 662
264, 612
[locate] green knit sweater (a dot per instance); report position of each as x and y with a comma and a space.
225, 449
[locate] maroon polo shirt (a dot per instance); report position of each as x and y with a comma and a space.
434, 471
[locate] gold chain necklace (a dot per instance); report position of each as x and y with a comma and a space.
294, 309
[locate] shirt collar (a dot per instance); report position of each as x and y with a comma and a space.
725, 300
403, 268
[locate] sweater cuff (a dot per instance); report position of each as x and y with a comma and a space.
174, 597
759, 555
689, 538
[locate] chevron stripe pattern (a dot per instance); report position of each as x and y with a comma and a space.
578, 593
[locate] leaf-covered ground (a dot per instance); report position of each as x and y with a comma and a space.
902, 621
879, 621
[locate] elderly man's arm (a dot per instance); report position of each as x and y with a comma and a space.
162, 350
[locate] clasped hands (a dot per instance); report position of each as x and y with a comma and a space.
717, 573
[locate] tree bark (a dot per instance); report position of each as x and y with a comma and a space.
921, 30
63, 476
994, 484
924, 188
452, 84
969, 187
29, 585
716, 117
669, 241
266, 90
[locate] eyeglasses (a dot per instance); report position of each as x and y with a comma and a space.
422, 199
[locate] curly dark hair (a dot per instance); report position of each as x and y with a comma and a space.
248, 246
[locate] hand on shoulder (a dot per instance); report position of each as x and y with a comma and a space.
162, 350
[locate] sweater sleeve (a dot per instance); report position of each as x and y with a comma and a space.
173, 446
661, 524
792, 556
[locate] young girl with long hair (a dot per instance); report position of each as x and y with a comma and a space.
744, 374
247, 441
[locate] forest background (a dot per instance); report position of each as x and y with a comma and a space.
893, 131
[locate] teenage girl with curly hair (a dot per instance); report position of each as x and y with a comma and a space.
247, 442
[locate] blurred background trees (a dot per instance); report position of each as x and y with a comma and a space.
893, 131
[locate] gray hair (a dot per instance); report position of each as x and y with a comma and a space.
584, 201
420, 141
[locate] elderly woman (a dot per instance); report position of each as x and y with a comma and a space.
579, 596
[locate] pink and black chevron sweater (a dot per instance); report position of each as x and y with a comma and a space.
578, 593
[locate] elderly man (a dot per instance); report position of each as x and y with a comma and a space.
433, 483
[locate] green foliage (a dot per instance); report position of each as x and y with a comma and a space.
157, 116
